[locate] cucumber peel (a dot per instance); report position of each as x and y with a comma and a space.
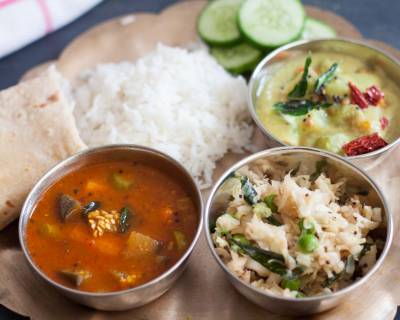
237, 59
217, 24
273, 23
314, 29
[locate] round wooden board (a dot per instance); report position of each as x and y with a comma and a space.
131, 36
114, 41
34, 72
128, 38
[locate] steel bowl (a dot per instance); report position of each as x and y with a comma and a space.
290, 157
365, 52
137, 296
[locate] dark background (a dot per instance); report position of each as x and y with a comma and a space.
376, 19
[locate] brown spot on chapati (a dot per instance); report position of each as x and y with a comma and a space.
10, 204
5, 213
53, 98
50, 99
40, 106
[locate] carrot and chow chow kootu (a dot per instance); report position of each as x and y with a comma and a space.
331, 101
111, 226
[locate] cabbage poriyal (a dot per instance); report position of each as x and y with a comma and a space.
296, 235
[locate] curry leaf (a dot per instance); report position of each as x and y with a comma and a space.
123, 219
273, 261
300, 88
331, 280
299, 107
346, 273
325, 77
91, 206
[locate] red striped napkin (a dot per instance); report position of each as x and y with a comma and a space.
24, 21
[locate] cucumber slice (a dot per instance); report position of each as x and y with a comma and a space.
217, 24
237, 59
314, 29
270, 24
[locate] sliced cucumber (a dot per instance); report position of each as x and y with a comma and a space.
314, 29
270, 24
217, 24
237, 59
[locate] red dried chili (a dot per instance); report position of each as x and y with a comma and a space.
364, 144
357, 96
384, 122
374, 95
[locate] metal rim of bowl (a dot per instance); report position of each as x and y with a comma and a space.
74, 157
336, 158
251, 104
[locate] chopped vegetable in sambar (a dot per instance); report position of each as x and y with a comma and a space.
109, 226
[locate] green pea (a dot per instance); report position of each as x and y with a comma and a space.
308, 243
291, 284
300, 295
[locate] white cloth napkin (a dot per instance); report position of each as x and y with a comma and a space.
24, 21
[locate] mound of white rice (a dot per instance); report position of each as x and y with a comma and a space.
174, 100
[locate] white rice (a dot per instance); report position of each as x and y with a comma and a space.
177, 101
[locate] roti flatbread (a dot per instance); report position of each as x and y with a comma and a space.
37, 130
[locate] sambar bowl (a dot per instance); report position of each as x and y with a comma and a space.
359, 49
290, 157
132, 297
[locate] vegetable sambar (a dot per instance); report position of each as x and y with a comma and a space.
111, 226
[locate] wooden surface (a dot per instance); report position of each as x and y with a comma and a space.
203, 292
